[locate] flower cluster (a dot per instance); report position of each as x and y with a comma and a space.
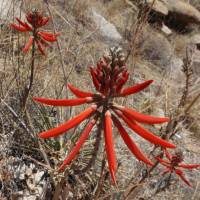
41, 38
109, 78
174, 163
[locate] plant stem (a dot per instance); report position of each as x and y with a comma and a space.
27, 90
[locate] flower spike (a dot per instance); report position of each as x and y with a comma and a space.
109, 78
78, 145
40, 38
174, 163
69, 124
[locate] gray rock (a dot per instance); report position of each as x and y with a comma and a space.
195, 39
181, 11
157, 49
106, 29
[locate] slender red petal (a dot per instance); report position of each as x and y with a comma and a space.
48, 34
163, 162
166, 171
79, 93
167, 154
24, 24
182, 176
130, 143
135, 88
147, 119
44, 21
18, 28
28, 44
121, 83
78, 145
63, 102
69, 124
95, 80
145, 133
29, 19
110, 146
191, 166
40, 47
47, 38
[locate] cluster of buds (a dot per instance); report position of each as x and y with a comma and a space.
41, 38
174, 163
109, 77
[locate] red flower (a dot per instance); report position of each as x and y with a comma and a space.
108, 78
41, 38
174, 163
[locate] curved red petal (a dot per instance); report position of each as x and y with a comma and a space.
44, 21
40, 47
147, 119
130, 143
79, 93
145, 133
47, 38
182, 176
167, 154
187, 166
18, 28
135, 88
63, 102
49, 34
110, 146
78, 145
69, 124
163, 162
28, 45
24, 24
95, 80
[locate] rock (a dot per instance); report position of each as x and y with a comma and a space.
184, 11
166, 30
175, 14
106, 29
196, 63
156, 49
195, 39
159, 7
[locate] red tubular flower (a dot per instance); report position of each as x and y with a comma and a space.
130, 143
146, 119
174, 163
78, 145
144, 133
40, 38
109, 146
109, 78
79, 93
135, 88
64, 102
69, 124
28, 45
